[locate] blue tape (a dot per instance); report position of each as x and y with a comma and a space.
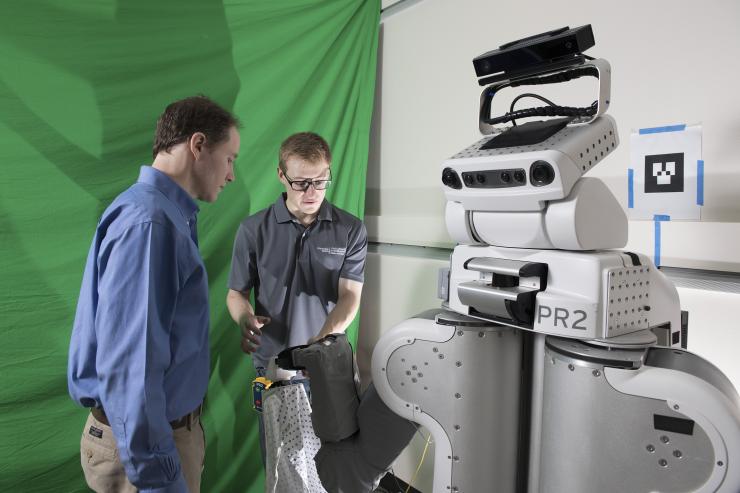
669, 128
630, 188
658, 218
656, 254
700, 182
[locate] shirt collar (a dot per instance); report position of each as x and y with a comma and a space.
283, 215
170, 189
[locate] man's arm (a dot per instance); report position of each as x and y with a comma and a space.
344, 311
350, 285
242, 312
241, 279
137, 287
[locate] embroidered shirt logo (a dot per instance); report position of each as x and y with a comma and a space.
332, 250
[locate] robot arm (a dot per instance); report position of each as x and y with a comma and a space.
360, 436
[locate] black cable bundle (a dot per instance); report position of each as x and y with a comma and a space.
552, 110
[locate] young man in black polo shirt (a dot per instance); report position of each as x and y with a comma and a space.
303, 256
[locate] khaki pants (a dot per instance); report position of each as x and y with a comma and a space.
105, 473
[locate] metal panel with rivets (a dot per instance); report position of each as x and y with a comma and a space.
596, 437
462, 383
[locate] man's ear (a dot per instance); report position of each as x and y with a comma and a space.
197, 143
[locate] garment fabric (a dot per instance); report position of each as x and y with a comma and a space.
330, 363
358, 463
290, 441
261, 372
294, 270
104, 472
139, 348
360, 438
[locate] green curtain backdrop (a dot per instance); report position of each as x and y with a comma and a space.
81, 85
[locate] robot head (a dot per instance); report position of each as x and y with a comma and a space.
520, 186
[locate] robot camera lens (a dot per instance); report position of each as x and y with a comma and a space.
480, 178
541, 173
520, 176
505, 177
468, 179
451, 179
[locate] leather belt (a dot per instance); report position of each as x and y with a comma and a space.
186, 421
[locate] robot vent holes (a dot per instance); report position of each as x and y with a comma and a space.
628, 291
589, 156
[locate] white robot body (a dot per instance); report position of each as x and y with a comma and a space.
558, 366
571, 152
589, 218
640, 419
590, 296
456, 381
568, 213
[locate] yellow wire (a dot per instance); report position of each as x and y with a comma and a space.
423, 454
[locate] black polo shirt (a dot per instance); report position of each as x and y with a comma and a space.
294, 270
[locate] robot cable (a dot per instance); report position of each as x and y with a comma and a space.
527, 95
421, 461
544, 111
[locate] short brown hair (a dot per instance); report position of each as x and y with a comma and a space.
185, 117
305, 145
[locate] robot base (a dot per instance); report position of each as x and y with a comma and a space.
511, 410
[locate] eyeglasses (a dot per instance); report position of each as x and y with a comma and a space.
302, 185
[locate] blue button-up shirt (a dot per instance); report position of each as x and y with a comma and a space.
139, 346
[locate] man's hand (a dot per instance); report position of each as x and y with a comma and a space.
318, 337
251, 327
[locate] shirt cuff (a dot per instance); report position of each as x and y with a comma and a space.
178, 486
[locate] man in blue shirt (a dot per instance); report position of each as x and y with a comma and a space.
139, 356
